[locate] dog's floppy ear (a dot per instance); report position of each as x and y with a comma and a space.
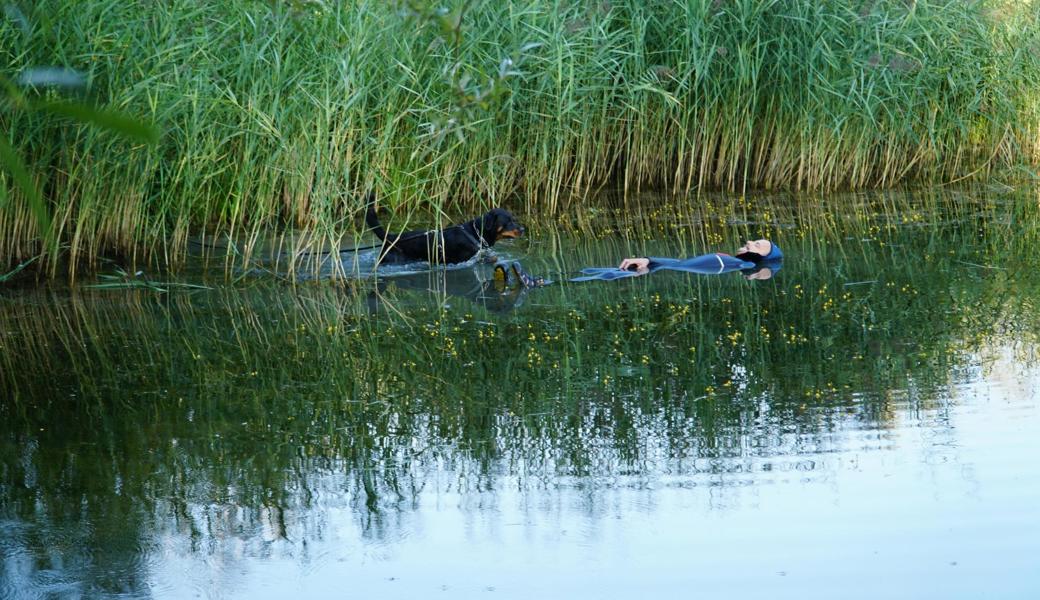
490, 225
501, 219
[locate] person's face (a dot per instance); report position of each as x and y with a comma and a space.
760, 247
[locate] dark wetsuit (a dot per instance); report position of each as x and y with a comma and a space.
705, 264
715, 263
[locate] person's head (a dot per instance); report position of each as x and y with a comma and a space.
758, 250
754, 250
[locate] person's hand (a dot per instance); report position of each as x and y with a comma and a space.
639, 265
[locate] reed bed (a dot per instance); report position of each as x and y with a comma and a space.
278, 116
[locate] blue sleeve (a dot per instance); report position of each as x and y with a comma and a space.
663, 263
705, 264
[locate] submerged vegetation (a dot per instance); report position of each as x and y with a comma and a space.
262, 397
278, 115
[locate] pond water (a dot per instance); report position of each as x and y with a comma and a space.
863, 424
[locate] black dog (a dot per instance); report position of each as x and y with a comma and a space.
454, 244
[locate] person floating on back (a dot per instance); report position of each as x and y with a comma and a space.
756, 259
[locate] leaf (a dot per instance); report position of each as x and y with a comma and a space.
111, 120
128, 285
136, 284
10, 160
62, 77
9, 275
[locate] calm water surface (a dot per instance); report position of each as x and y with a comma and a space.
861, 425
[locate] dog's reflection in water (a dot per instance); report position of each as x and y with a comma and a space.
500, 288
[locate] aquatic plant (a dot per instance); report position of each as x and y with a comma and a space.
281, 115
215, 410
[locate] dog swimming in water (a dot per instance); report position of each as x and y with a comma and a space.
454, 244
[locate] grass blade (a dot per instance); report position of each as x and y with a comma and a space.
10, 160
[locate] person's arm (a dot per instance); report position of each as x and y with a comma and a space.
649, 263
705, 264
658, 262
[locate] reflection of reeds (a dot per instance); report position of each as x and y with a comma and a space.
274, 117
213, 412
866, 296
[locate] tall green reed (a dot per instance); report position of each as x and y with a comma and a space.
282, 115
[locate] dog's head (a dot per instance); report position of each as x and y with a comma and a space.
498, 224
